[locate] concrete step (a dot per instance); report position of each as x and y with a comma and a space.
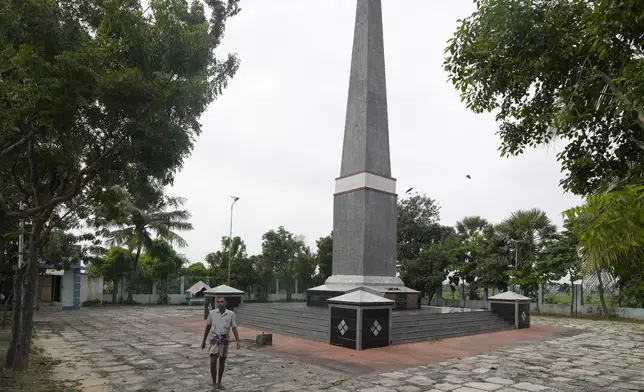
443, 319
307, 333
433, 328
300, 311
316, 316
261, 322
448, 334
282, 319
431, 316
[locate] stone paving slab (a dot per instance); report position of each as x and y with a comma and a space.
128, 349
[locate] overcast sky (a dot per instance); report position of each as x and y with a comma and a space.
275, 136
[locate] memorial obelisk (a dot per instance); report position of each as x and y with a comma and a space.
365, 199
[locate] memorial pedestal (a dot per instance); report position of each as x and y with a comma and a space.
360, 319
512, 307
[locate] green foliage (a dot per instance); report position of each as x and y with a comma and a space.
283, 252
305, 265
195, 269
418, 226
95, 94
610, 226
324, 258
558, 69
61, 249
424, 246
427, 272
102, 93
159, 263
117, 263
562, 257
161, 260
610, 229
134, 218
242, 267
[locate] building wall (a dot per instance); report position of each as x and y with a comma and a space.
67, 289
91, 288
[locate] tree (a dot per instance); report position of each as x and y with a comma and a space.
117, 263
96, 94
561, 258
466, 265
281, 249
421, 255
418, 226
528, 232
243, 269
141, 215
610, 229
494, 261
305, 265
239, 266
427, 272
196, 269
324, 258
159, 262
558, 69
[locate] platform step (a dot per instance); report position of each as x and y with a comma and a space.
270, 323
401, 339
430, 328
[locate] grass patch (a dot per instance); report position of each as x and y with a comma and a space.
39, 377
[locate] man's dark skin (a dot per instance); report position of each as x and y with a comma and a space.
221, 308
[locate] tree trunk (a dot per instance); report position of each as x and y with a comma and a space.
164, 290
21, 360
572, 294
289, 288
6, 305
135, 267
16, 318
600, 287
115, 288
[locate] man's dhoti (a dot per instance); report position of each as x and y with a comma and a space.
218, 345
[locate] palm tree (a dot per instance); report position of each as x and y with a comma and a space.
530, 230
144, 218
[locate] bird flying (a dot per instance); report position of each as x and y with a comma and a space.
468, 177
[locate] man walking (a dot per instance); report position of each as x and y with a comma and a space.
218, 325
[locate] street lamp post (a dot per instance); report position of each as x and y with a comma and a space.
516, 253
230, 237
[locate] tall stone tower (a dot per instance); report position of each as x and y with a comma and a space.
365, 200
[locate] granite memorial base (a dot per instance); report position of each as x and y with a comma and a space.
360, 320
512, 308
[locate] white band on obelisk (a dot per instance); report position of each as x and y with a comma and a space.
365, 180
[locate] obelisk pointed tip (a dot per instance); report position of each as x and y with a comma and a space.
366, 134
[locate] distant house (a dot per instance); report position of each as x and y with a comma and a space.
68, 288
195, 295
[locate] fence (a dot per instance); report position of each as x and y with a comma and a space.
552, 298
147, 291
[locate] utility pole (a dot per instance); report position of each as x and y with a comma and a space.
230, 237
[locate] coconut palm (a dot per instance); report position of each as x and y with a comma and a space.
141, 219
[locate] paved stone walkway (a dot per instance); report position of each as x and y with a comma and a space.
125, 349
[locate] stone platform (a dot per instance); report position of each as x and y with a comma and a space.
426, 323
